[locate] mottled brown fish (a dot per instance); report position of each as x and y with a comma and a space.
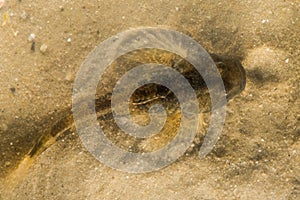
230, 69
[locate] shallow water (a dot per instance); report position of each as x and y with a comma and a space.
257, 155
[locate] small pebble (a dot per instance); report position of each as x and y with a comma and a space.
33, 46
1, 3
13, 90
3, 127
69, 40
43, 48
287, 61
176, 8
69, 76
23, 15
31, 37
7, 164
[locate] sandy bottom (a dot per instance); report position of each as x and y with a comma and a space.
258, 154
